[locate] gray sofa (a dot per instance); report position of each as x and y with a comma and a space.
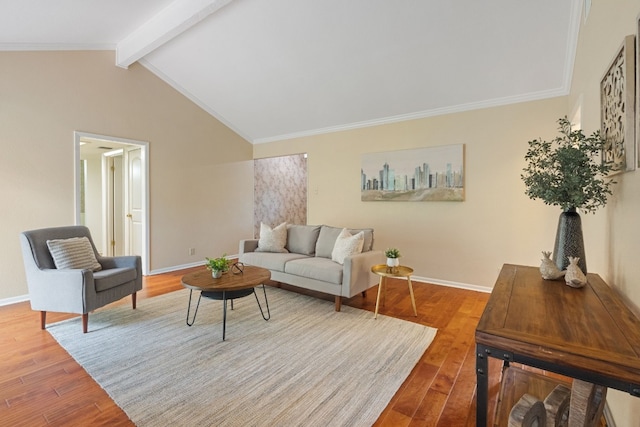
308, 264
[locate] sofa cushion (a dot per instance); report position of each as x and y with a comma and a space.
301, 239
75, 253
272, 240
107, 279
347, 245
328, 236
322, 269
270, 261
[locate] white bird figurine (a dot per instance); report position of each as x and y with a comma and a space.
575, 277
549, 269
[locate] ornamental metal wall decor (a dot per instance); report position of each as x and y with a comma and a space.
617, 109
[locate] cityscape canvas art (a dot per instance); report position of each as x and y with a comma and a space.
415, 175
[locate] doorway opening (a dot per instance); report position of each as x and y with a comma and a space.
111, 187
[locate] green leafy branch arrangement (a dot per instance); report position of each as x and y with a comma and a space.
218, 264
567, 171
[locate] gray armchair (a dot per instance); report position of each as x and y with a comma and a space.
75, 290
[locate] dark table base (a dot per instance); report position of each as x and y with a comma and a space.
224, 296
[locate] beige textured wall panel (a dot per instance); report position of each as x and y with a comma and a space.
201, 172
280, 191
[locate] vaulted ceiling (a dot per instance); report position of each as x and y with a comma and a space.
275, 69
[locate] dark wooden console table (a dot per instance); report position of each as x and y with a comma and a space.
587, 333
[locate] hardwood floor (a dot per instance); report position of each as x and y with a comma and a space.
41, 385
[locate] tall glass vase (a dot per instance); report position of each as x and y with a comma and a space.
569, 242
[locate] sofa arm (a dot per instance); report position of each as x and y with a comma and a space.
248, 245
357, 276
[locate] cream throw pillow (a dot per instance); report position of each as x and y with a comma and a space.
347, 245
75, 253
272, 240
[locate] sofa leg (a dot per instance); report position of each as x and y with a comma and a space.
85, 322
43, 319
338, 303
133, 299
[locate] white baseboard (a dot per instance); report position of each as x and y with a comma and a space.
450, 284
183, 266
14, 300
175, 268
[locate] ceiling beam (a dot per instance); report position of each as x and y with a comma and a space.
170, 22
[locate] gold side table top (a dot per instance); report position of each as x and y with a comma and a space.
385, 272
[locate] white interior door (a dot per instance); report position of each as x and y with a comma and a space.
134, 201
114, 205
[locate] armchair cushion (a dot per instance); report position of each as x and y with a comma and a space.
73, 253
107, 279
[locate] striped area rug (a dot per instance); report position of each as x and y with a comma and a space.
307, 366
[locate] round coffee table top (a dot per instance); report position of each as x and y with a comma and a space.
202, 280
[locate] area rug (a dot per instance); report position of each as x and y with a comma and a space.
308, 365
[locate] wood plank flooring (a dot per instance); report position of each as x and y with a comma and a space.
41, 385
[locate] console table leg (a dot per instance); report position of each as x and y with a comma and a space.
482, 379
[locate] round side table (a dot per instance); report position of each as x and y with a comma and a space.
398, 272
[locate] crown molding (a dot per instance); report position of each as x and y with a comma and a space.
15, 47
421, 114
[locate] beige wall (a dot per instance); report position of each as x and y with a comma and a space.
201, 173
461, 242
618, 235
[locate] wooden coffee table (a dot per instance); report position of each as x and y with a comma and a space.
228, 287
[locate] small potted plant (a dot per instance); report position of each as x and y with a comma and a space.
218, 265
392, 255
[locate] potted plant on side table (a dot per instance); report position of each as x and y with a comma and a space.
393, 261
218, 265
568, 172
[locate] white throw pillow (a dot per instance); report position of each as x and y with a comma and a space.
75, 253
347, 245
272, 240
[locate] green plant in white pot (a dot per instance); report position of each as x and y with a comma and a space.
218, 265
393, 255
568, 172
